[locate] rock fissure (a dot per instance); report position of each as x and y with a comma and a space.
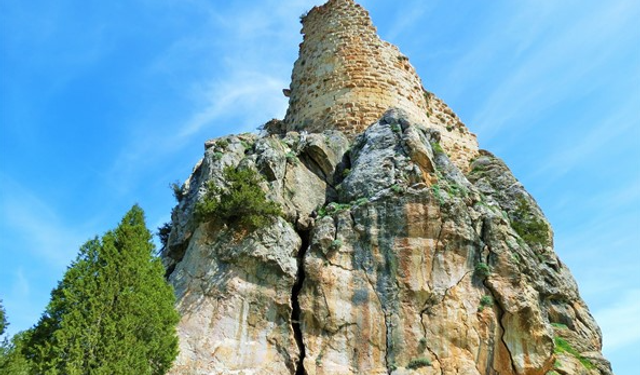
295, 303
424, 333
501, 312
501, 315
387, 328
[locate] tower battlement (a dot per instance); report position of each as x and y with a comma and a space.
346, 77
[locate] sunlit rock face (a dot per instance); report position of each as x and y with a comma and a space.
402, 247
387, 260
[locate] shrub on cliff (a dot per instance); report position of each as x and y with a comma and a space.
243, 202
529, 227
112, 313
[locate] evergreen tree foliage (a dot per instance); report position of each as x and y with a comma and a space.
12, 359
3, 319
243, 202
112, 313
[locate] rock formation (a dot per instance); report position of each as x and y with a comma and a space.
402, 248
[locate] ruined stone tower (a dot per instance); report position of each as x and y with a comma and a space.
346, 77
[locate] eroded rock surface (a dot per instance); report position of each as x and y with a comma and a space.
387, 260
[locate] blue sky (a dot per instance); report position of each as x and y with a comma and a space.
105, 103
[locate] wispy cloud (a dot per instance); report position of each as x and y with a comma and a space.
240, 59
252, 94
616, 131
540, 75
620, 321
408, 14
34, 225
36, 245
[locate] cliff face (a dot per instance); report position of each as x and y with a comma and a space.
388, 260
403, 248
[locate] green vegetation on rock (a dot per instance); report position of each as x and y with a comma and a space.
243, 202
435, 146
530, 228
222, 143
177, 188
163, 233
292, 158
482, 270
418, 363
485, 301
562, 346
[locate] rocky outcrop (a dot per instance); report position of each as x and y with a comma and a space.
387, 260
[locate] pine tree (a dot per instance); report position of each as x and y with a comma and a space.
113, 311
3, 319
12, 359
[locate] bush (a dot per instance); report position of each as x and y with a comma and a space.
485, 301
222, 143
243, 202
418, 363
362, 201
177, 189
397, 189
529, 227
163, 233
435, 146
482, 270
291, 158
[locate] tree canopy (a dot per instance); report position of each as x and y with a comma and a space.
112, 313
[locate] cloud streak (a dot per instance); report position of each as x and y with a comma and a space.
620, 321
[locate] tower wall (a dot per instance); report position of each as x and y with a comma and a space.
346, 77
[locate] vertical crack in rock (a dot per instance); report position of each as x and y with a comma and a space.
295, 304
501, 315
484, 234
387, 327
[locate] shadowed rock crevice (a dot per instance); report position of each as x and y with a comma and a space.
295, 304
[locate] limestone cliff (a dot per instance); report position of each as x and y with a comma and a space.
388, 260
402, 248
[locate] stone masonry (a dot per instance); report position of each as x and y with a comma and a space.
346, 77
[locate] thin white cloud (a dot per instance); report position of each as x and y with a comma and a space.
540, 77
620, 322
250, 51
38, 227
616, 131
253, 96
21, 286
409, 13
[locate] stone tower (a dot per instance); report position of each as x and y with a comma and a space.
346, 77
